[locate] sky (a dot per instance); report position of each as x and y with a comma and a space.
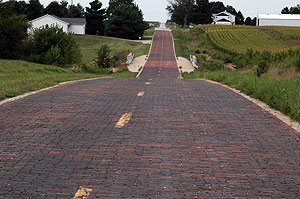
155, 10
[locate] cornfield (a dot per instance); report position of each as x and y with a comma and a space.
237, 39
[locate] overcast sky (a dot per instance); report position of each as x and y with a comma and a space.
156, 9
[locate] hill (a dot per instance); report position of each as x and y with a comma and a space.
89, 44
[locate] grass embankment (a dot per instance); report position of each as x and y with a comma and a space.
19, 77
279, 87
89, 45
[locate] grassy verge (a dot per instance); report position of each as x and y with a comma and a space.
283, 95
19, 77
89, 44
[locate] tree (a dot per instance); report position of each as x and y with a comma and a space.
12, 33
115, 4
231, 10
54, 8
126, 21
248, 21
181, 11
95, 18
217, 7
254, 21
35, 9
285, 10
76, 11
64, 8
295, 10
202, 12
239, 19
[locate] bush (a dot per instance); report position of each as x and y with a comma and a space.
103, 57
52, 45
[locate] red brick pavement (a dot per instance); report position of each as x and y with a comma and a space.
185, 139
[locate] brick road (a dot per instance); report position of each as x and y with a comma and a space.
184, 139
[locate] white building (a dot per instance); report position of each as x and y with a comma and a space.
69, 25
278, 20
223, 18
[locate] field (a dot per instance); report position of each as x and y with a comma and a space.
237, 39
89, 45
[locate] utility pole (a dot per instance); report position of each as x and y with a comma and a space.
71, 10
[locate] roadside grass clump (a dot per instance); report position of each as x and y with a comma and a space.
283, 95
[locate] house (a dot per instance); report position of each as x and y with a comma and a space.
69, 25
223, 18
278, 20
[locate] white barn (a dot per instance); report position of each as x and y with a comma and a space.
69, 25
278, 20
223, 18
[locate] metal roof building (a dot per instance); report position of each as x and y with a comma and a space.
278, 20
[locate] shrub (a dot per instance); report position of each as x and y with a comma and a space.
103, 57
53, 56
49, 43
263, 62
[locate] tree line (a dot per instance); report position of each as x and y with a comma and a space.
291, 10
185, 12
122, 18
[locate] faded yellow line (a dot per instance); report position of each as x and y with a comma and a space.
123, 120
82, 193
140, 94
147, 82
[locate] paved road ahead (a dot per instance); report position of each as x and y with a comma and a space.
177, 139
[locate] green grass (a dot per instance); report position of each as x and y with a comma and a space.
283, 95
19, 77
89, 45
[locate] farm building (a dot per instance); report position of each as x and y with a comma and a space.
223, 18
69, 25
278, 20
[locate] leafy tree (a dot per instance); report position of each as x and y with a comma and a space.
202, 12
76, 11
217, 7
248, 21
126, 21
181, 11
35, 9
239, 19
54, 8
285, 10
95, 18
12, 33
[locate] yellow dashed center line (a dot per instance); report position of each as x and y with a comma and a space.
123, 120
147, 82
140, 94
82, 193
